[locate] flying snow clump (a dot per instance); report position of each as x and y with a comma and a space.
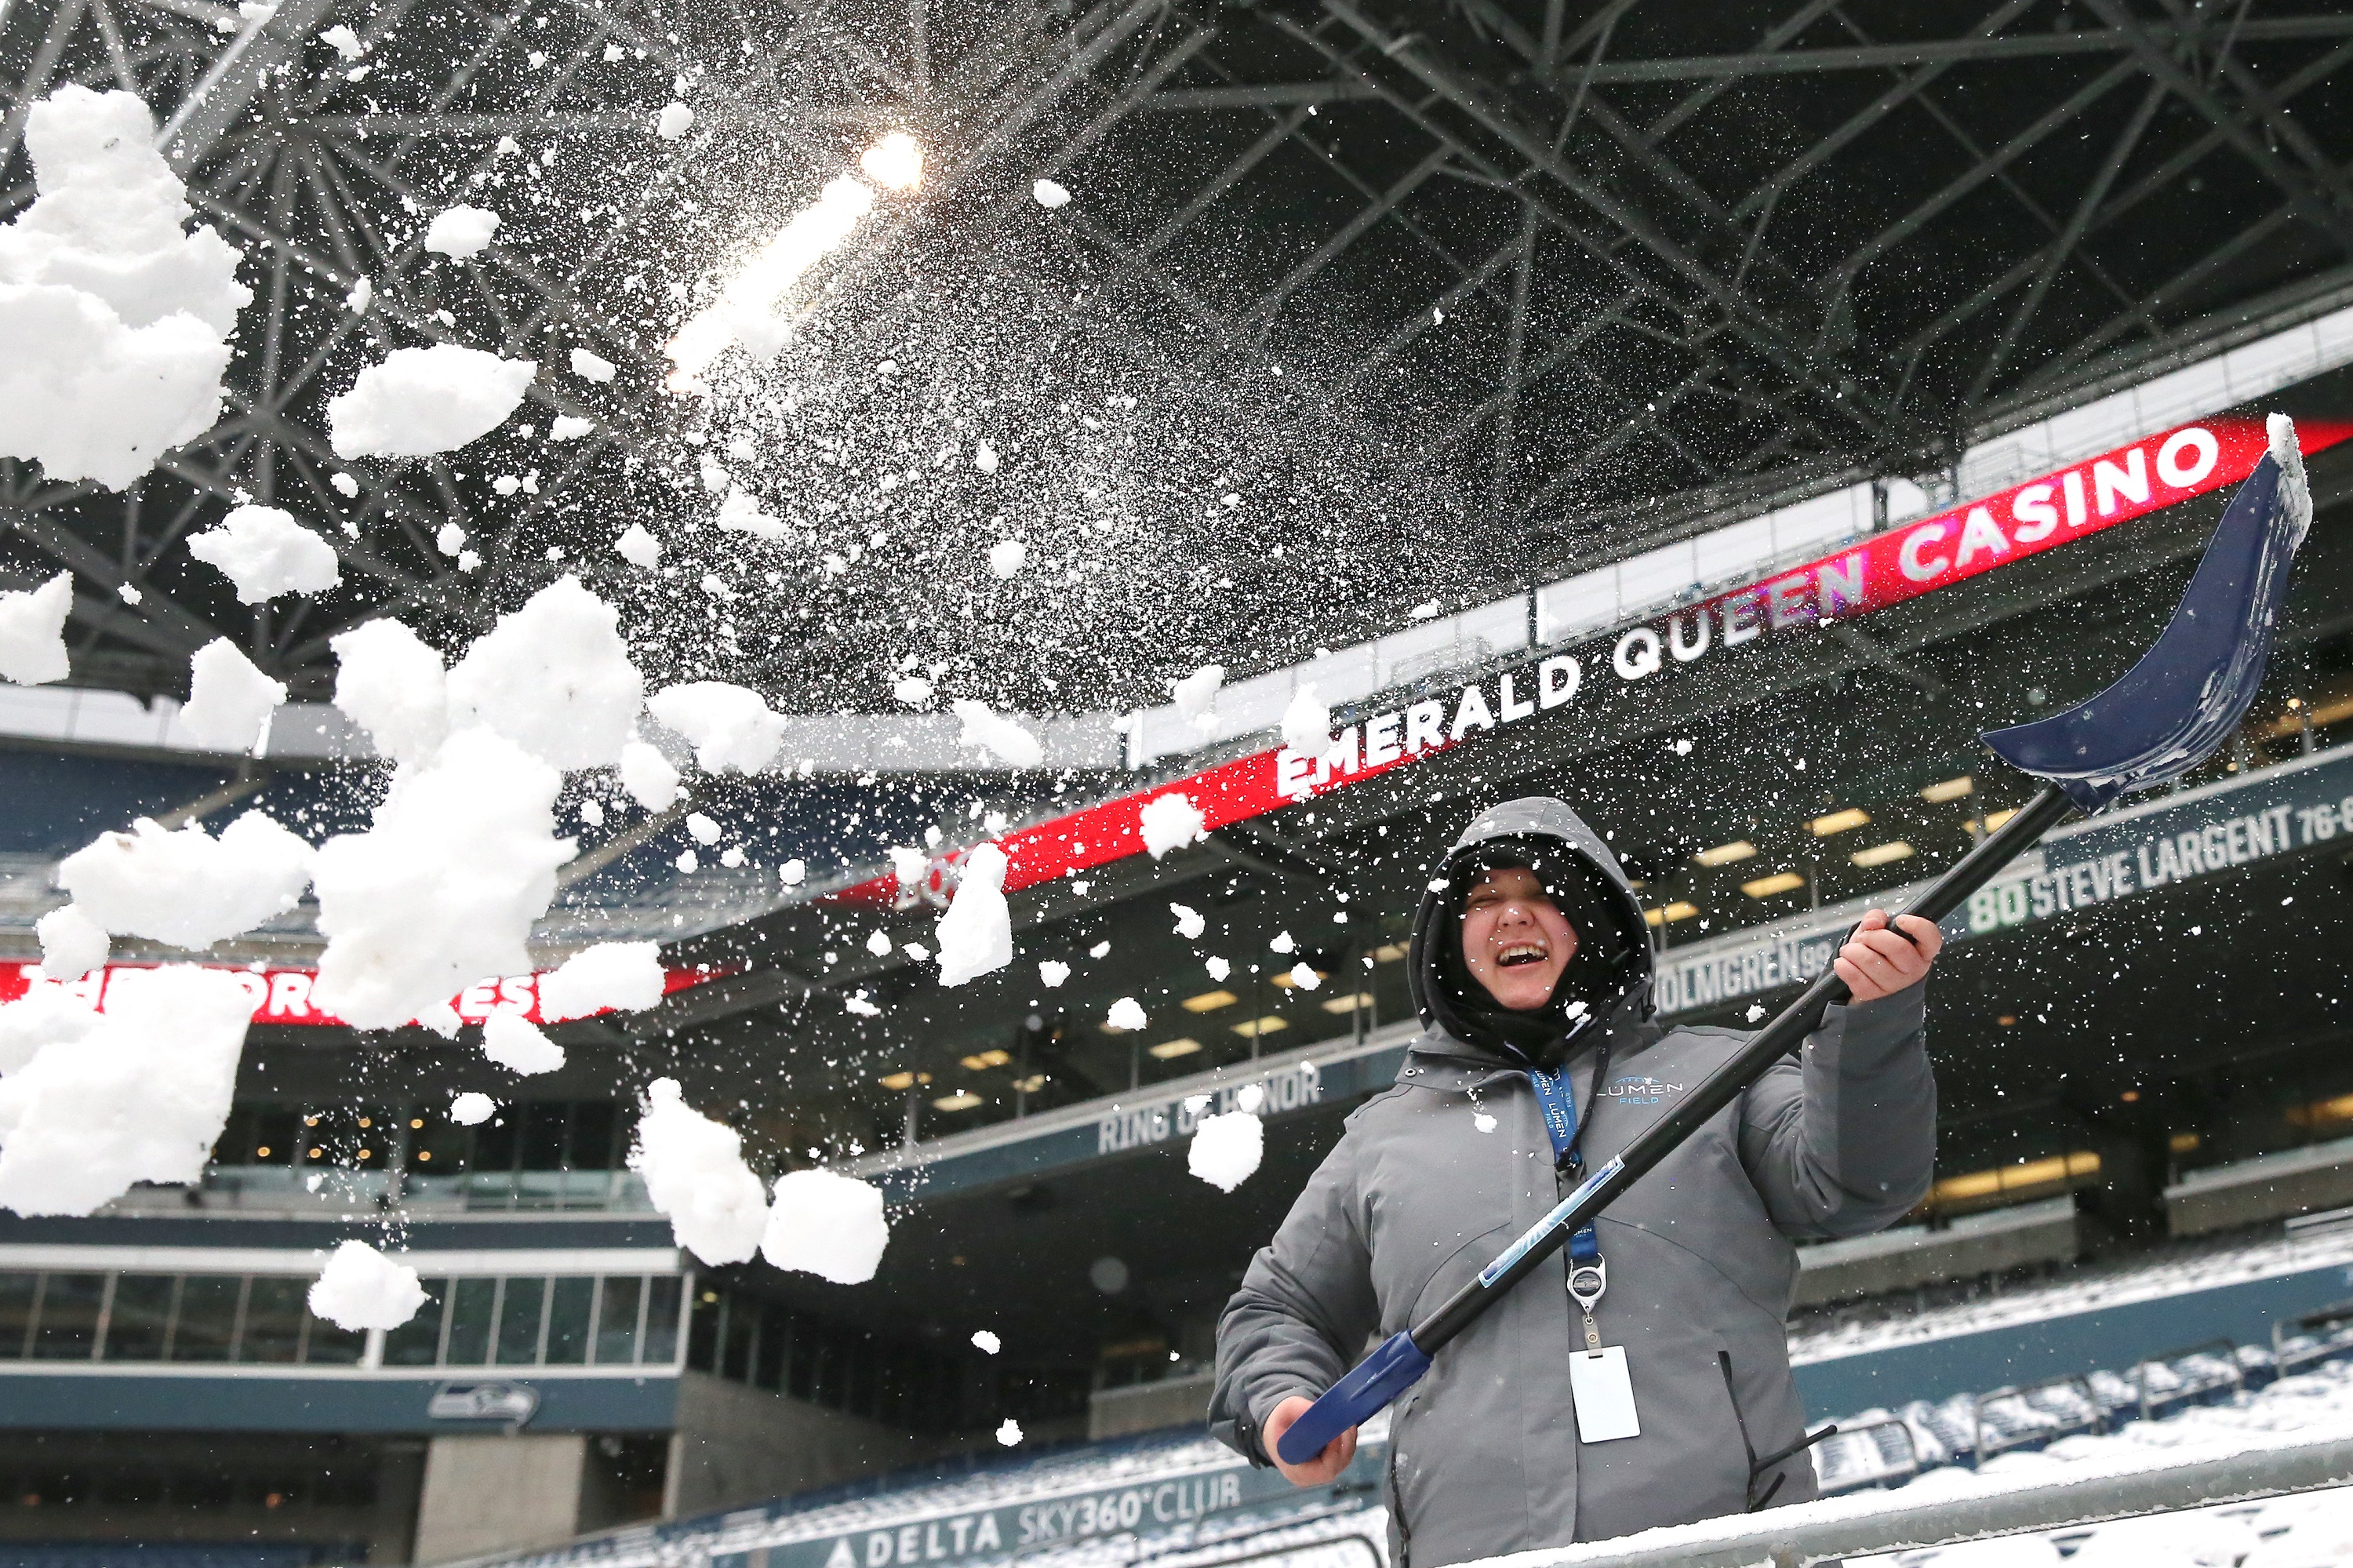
1053, 972
987, 1343
1227, 1148
638, 547
361, 1288
264, 552
423, 402
617, 976
1170, 821
741, 514
72, 944
460, 232
976, 935
568, 428
47, 1013
1126, 1013
674, 122
695, 1175
520, 1045
826, 1224
1049, 194
1006, 557
1009, 1432
116, 320
393, 685
793, 873
647, 777
1196, 696
1307, 724
187, 888
1304, 978
1189, 921
997, 735
33, 630
229, 701
555, 677
730, 727
442, 889
139, 1093
590, 367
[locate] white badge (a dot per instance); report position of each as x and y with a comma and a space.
1604, 1394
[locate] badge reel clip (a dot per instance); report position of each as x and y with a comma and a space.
1588, 1279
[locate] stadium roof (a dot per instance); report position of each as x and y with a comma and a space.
1544, 285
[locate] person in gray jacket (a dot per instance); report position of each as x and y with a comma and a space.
1541, 1054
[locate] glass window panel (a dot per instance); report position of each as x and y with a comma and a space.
67, 1331
142, 1312
594, 1144
776, 1339
495, 1142
206, 1325
17, 1293
568, 1301
417, 1342
543, 1134
274, 1311
743, 1327
617, 1320
326, 1344
661, 1320
472, 1302
519, 1322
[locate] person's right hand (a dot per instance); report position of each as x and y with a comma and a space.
1325, 1466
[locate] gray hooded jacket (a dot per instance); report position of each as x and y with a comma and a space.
1415, 1200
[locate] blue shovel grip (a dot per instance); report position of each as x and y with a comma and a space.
1356, 1399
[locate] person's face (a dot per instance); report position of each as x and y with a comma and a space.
1513, 941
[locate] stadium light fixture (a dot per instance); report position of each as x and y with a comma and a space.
1169, 1050
1853, 817
1888, 853
982, 1060
1949, 789
1252, 1029
962, 1099
1726, 854
1678, 910
1363, 998
1767, 887
1209, 1001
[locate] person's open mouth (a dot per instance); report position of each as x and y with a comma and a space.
1520, 953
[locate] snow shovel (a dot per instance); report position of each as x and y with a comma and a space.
2171, 711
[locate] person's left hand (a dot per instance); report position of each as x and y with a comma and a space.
1878, 961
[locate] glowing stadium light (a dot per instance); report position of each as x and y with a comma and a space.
895, 162
746, 310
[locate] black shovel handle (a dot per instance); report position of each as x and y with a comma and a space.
2050, 807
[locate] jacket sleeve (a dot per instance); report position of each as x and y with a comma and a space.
1843, 1142
1304, 1310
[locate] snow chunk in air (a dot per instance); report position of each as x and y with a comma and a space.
555, 677
1170, 821
391, 684
189, 888
730, 727
647, 775
140, 1096
828, 1225
976, 936
520, 1045
638, 547
1125, 1014
1225, 1149
674, 122
1196, 696
265, 552
442, 891
985, 1342
591, 367
1307, 724
1009, 1432
999, 736
695, 1175
1189, 921
46, 1014
1006, 557
618, 977
229, 701
116, 321
361, 1288
33, 632
1052, 972
423, 402
460, 232
1049, 194
472, 1108
72, 944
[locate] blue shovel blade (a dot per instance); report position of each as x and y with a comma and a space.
2192, 687
1356, 1399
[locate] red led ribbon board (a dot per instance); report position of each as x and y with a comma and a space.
283, 996
1885, 569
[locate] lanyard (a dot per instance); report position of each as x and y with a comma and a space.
1557, 1099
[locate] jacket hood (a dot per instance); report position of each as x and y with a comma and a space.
1547, 835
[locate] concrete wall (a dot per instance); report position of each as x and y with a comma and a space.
497, 1492
1150, 1407
736, 1446
2299, 1182
1914, 1254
